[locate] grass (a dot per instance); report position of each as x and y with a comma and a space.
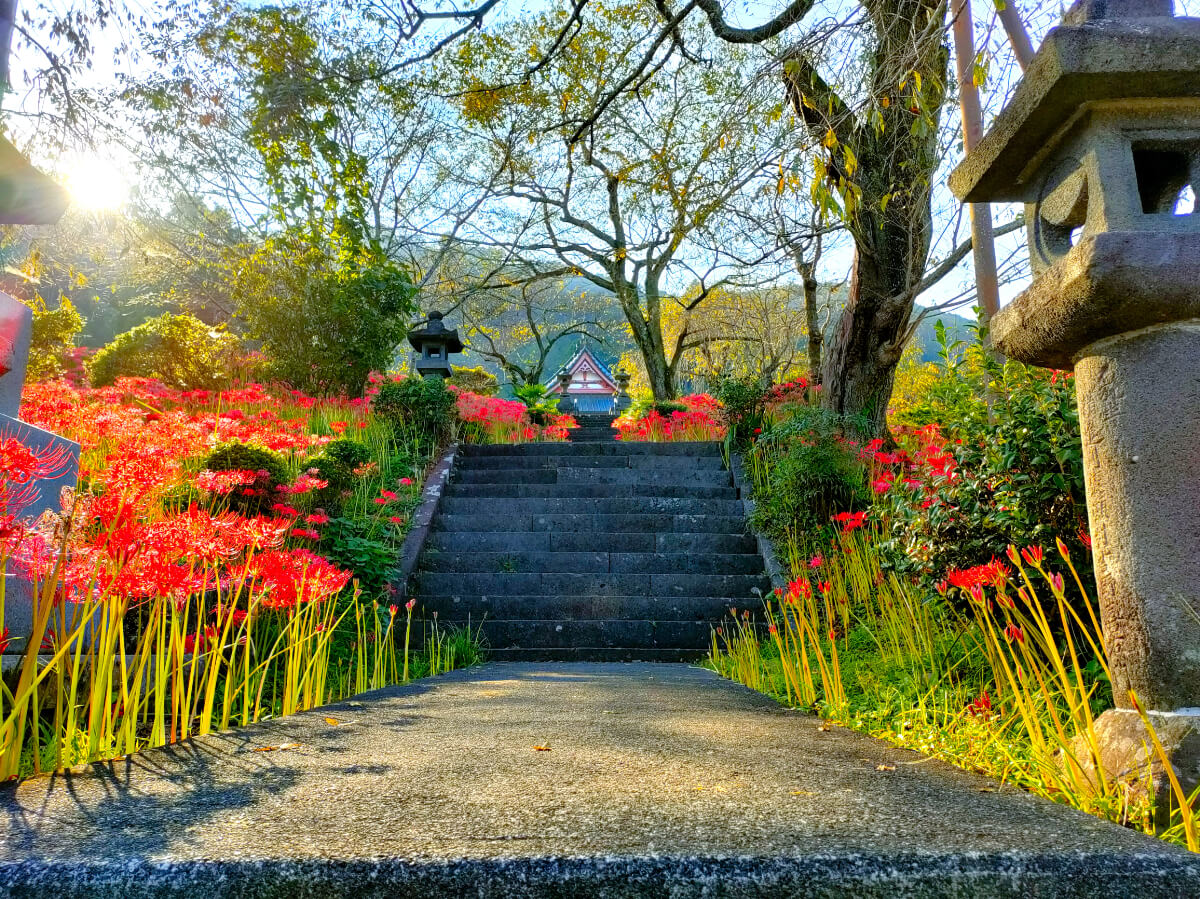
1010, 686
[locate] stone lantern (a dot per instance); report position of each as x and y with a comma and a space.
433, 345
1101, 142
565, 405
623, 400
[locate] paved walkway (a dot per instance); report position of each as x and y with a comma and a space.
652, 780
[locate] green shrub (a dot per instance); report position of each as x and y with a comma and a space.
336, 464
273, 472
345, 542
1013, 430
328, 308
179, 350
742, 402
52, 339
805, 473
419, 408
477, 380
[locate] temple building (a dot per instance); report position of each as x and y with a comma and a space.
592, 387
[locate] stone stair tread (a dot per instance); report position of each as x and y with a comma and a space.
559, 583
487, 490
594, 522
598, 560
616, 448
472, 609
548, 541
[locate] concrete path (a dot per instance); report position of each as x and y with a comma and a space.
652, 780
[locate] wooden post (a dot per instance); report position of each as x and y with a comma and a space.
983, 245
1017, 35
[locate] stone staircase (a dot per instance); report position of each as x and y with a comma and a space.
591, 550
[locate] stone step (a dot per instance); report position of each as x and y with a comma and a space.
443, 583
465, 609
566, 463
487, 519
567, 541
610, 633
589, 476
597, 654
687, 449
630, 505
520, 491
600, 561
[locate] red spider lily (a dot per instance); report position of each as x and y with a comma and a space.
397, 519
285, 509
1032, 555
816, 561
306, 483
222, 482
405, 482
1085, 538
309, 533
799, 587
980, 707
289, 578
991, 574
317, 517
1014, 632
851, 520
825, 587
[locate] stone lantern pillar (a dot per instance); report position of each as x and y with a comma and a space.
433, 345
1101, 141
623, 399
566, 405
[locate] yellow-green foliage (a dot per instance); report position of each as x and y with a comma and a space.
53, 337
179, 350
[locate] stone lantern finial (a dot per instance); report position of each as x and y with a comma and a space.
1101, 141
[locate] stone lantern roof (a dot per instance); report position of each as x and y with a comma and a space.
435, 332
1132, 51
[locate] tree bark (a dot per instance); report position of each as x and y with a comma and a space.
812, 318
896, 153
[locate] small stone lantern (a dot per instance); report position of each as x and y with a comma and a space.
433, 345
1101, 141
623, 400
566, 405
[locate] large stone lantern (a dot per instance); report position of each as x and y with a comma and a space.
433, 345
1101, 142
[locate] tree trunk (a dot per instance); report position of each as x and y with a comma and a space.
860, 367
812, 322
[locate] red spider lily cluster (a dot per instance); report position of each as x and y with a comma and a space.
507, 421
118, 537
794, 391
699, 421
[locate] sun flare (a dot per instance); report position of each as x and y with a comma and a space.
96, 184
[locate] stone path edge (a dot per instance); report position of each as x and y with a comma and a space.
422, 520
775, 570
1016, 874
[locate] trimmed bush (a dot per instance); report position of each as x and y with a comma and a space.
420, 408
336, 464
179, 350
271, 468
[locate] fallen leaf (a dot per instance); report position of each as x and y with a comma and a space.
332, 722
885, 767
824, 726
802, 793
541, 748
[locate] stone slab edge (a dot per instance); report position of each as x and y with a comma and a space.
422, 520
859, 875
775, 570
